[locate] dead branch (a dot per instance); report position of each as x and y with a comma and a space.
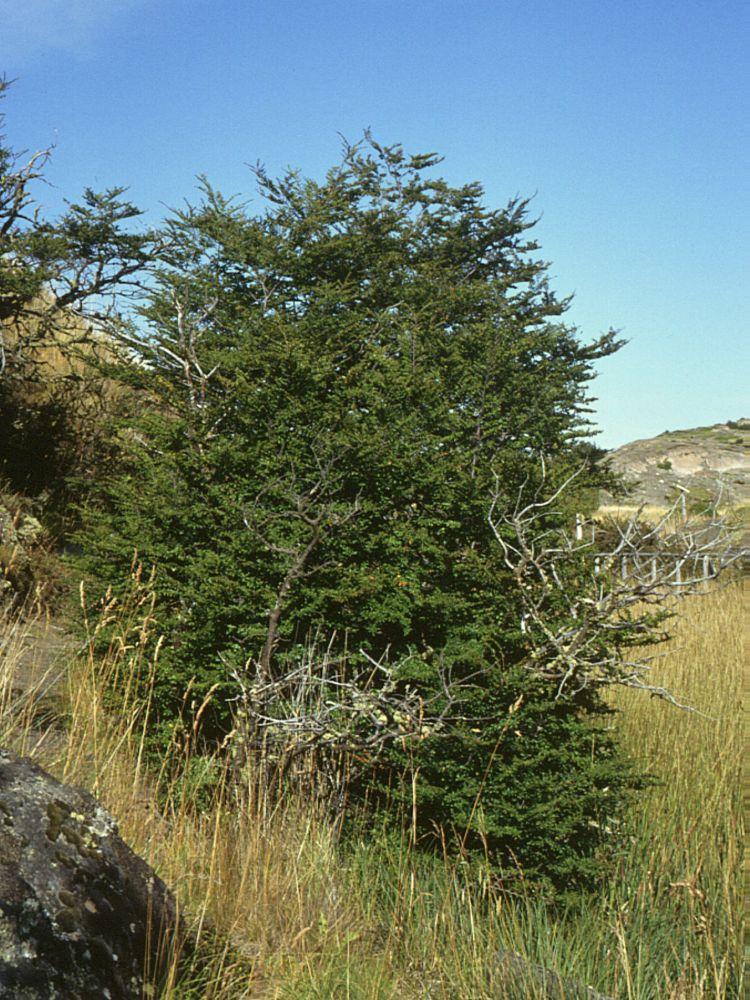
586, 610
332, 716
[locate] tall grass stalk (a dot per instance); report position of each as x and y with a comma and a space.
281, 908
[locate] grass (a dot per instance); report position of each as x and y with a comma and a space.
282, 909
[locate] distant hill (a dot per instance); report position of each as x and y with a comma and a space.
701, 460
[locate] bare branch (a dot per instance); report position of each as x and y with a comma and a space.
586, 604
332, 716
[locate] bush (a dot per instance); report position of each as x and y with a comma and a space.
54, 406
536, 785
325, 396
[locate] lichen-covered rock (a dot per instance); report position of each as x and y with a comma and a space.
25, 554
81, 915
19, 528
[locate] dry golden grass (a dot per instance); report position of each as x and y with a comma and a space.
688, 828
281, 909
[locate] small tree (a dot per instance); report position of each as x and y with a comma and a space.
327, 393
50, 269
58, 282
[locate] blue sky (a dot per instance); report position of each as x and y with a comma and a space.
626, 120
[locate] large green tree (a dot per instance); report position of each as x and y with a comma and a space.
328, 391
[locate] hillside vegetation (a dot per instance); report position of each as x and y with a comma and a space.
307, 494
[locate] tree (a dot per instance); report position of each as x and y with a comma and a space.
328, 392
58, 281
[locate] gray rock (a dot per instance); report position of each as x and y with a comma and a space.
521, 976
19, 529
81, 915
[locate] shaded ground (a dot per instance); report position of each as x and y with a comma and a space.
34, 658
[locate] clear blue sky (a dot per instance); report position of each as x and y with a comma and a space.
627, 120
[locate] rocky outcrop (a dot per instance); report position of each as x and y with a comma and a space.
701, 460
81, 915
20, 533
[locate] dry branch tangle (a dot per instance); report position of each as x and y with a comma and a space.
585, 612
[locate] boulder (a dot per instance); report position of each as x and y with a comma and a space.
81, 915
521, 977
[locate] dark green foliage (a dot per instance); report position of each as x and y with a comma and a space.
326, 393
535, 783
48, 445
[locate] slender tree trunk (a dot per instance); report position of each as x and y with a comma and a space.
274, 618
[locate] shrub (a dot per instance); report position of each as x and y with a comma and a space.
326, 394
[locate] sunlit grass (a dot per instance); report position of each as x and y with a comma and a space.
281, 908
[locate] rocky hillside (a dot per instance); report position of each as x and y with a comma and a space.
702, 460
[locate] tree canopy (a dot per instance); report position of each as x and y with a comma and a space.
62, 281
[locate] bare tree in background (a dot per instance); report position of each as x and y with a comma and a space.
50, 271
594, 595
